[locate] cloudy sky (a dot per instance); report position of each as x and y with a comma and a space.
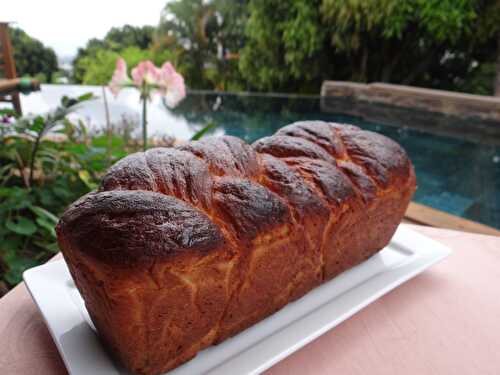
66, 25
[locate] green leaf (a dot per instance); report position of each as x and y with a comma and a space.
87, 179
61, 192
8, 247
54, 247
77, 149
38, 124
200, 133
85, 97
68, 102
14, 198
17, 265
50, 246
47, 225
46, 198
23, 226
42, 212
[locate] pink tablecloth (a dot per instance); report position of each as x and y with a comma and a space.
445, 321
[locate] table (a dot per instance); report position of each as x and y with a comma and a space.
444, 321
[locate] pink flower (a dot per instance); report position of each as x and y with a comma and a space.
120, 77
145, 72
171, 85
149, 79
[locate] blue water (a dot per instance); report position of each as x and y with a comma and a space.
459, 175
458, 172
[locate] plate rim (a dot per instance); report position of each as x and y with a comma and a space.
292, 337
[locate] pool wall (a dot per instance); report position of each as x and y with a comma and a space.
440, 101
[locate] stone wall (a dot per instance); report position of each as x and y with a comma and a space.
439, 101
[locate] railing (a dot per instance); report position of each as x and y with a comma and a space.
8, 67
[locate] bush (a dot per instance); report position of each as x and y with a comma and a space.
99, 68
46, 162
32, 57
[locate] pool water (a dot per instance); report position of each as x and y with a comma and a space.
454, 174
457, 162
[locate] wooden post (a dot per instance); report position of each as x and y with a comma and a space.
497, 78
8, 62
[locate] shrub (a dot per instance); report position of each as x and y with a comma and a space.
46, 162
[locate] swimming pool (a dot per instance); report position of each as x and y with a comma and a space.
457, 162
457, 175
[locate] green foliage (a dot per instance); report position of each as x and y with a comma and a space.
129, 36
116, 40
441, 20
32, 57
46, 162
284, 41
196, 36
293, 45
99, 68
184, 27
398, 40
480, 80
203, 131
203, 35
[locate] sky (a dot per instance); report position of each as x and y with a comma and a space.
66, 25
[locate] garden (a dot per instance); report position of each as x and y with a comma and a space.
46, 163
48, 160
292, 46
342, 215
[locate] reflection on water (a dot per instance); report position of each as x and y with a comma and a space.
457, 162
126, 107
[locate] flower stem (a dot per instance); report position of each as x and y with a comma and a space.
144, 123
109, 131
33, 155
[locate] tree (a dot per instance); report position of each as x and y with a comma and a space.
117, 39
398, 40
487, 32
130, 36
204, 34
99, 68
201, 38
183, 26
286, 46
227, 29
32, 57
294, 44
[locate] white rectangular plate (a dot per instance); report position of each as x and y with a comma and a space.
257, 348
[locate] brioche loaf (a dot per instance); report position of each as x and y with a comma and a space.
181, 248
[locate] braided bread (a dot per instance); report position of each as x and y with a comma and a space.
181, 248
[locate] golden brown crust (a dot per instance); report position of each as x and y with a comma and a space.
248, 208
137, 227
183, 247
225, 156
286, 146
